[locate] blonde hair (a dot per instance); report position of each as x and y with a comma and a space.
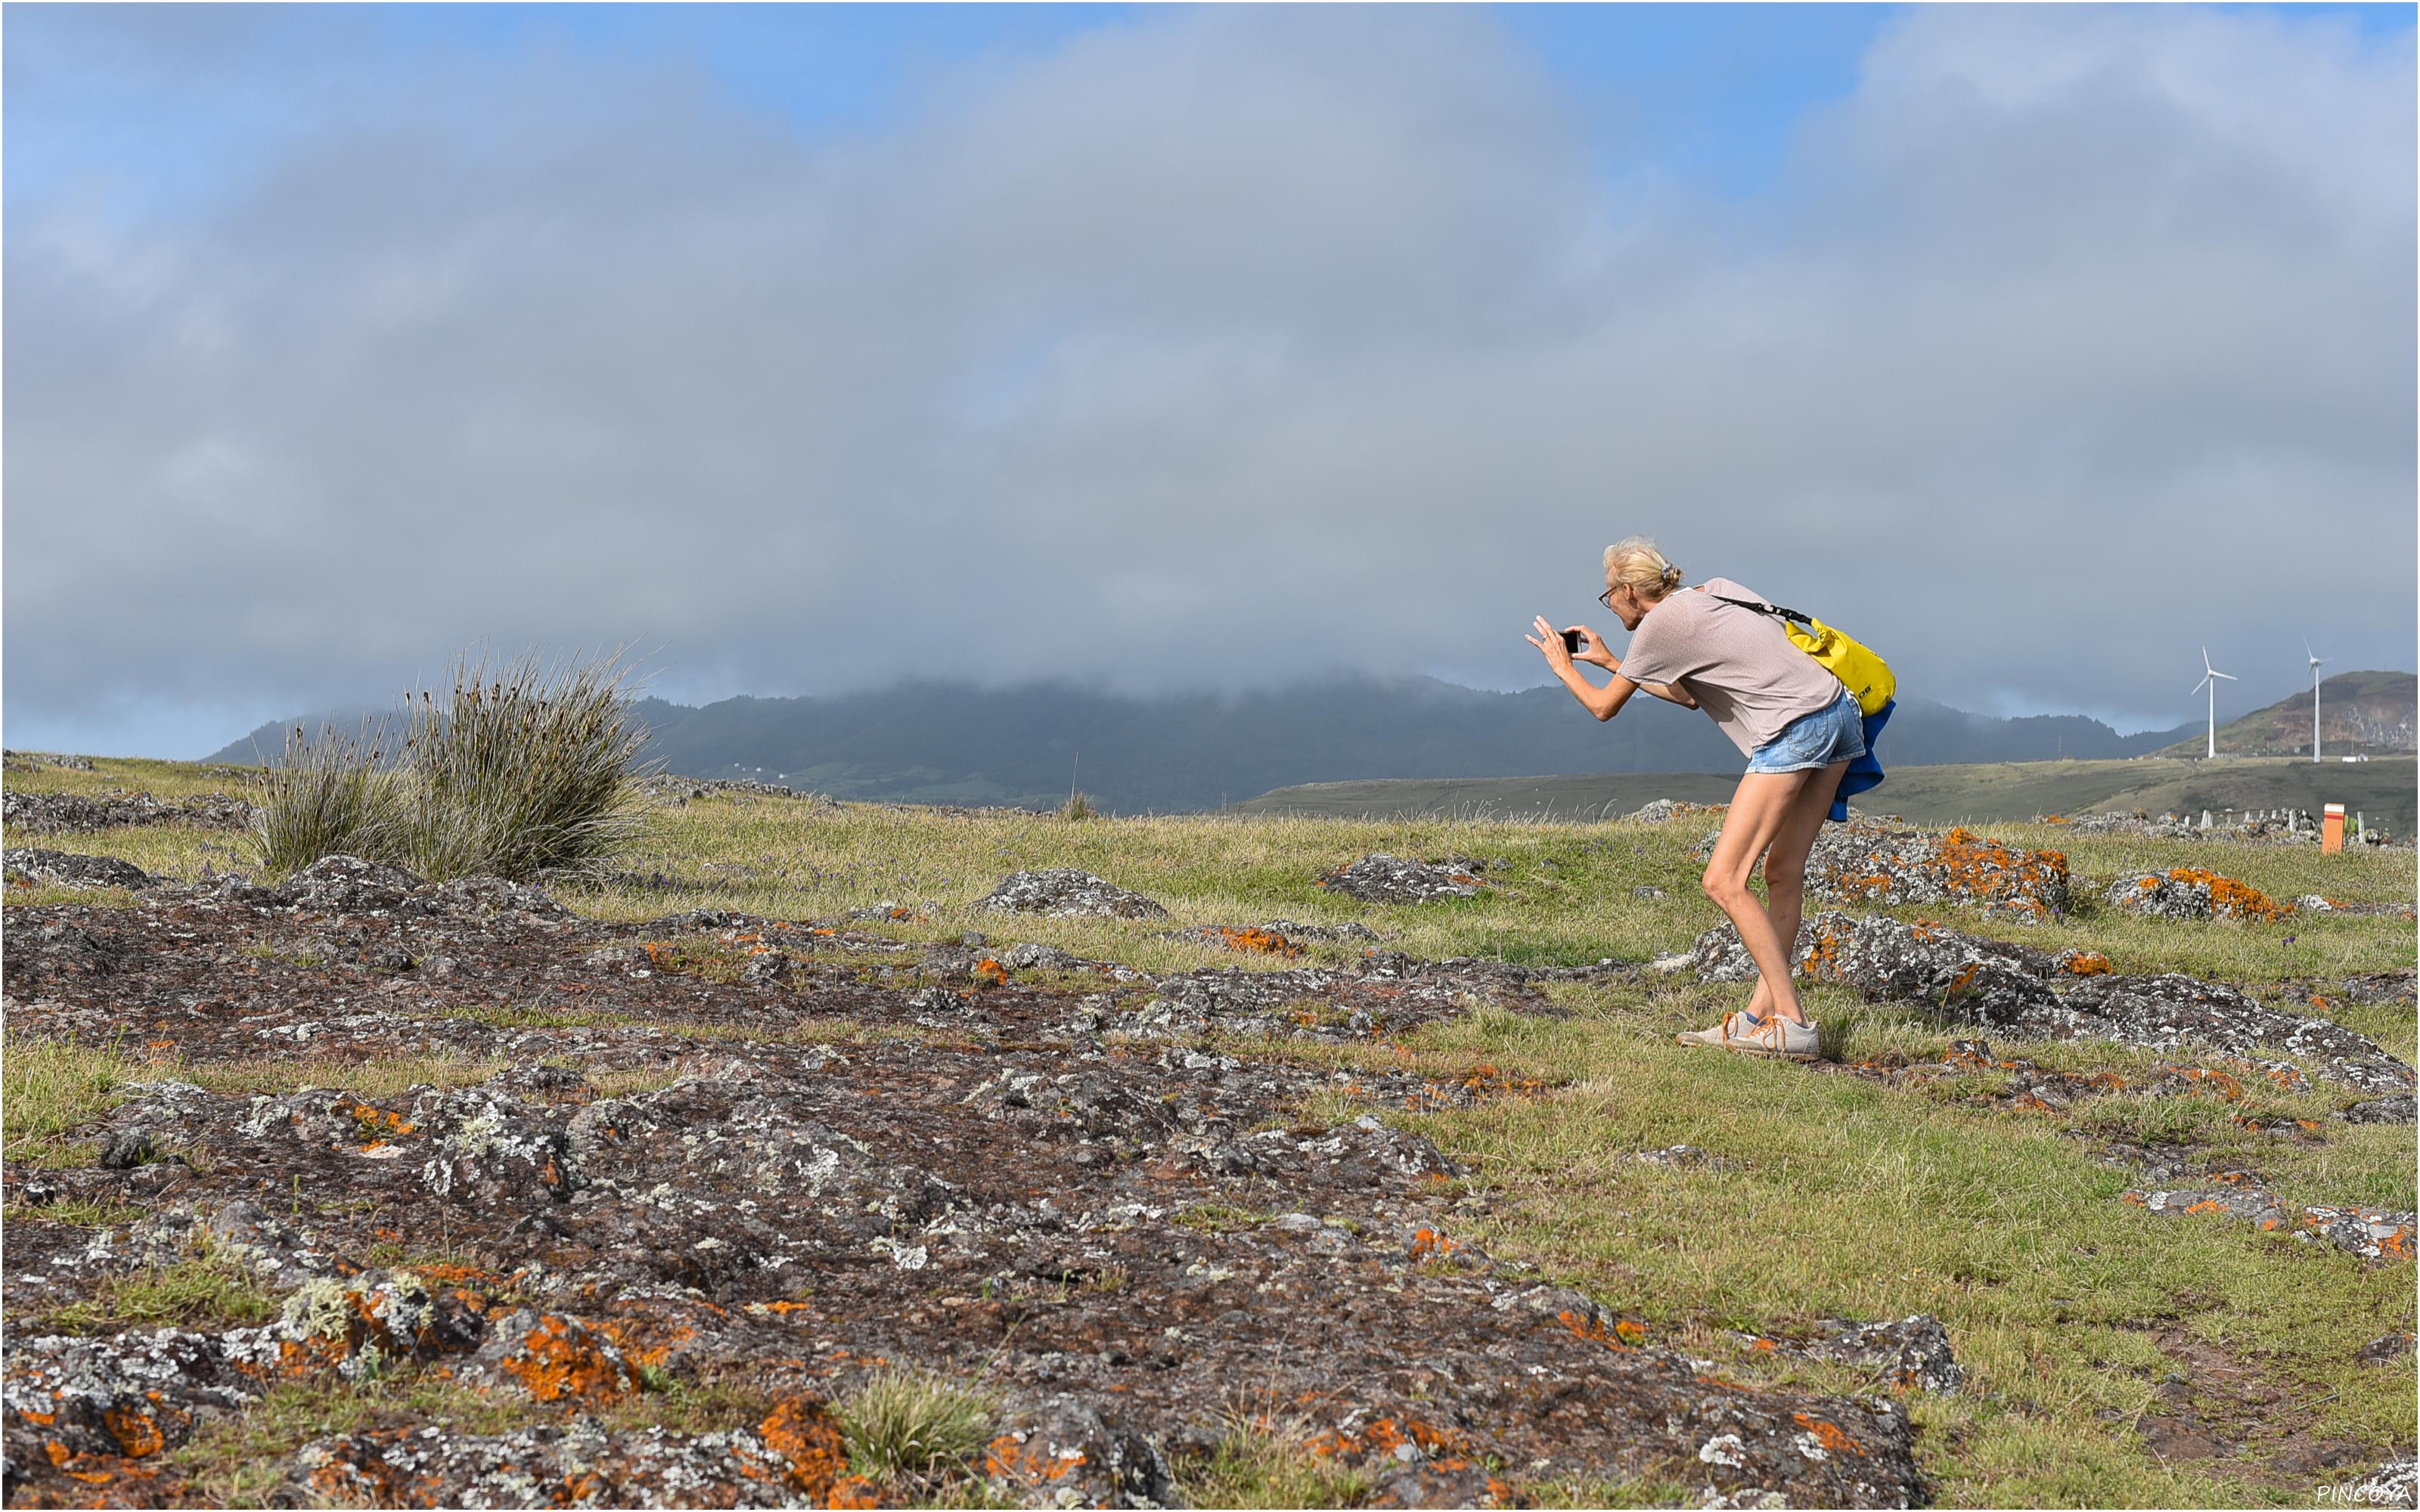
1633, 561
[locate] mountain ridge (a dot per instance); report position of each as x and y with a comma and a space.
2361, 714
940, 742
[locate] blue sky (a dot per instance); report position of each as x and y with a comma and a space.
1708, 94
914, 297
1705, 94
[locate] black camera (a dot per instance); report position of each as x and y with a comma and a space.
1572, 640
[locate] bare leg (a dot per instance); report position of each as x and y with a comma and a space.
1759, 810
1785, 869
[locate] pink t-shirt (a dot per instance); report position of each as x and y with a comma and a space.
1739, 665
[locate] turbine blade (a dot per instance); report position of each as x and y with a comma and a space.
2198, 686
2230, 677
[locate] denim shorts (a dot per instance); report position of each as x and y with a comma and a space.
1814, 740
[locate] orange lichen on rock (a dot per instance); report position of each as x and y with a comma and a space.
2232, 899
2219, 1081
2084, 964
1031, 1462
802, 1432
1382, 1437
1427, 1243
1259, 942
562, 1359
1481, 1083
136, 1430
1830, 1435
990, 973
1891, 867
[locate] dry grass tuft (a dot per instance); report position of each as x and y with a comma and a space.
908, 1422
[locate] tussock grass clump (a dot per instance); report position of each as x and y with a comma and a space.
523, 771
328, 796
531, 771
913, 1422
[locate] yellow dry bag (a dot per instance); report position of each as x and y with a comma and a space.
1845, 657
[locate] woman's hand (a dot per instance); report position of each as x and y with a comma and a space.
1605, 703
1593, 649
1549, 642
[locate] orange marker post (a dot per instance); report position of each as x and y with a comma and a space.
2332, 829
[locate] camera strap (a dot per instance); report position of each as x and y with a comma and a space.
1762, 608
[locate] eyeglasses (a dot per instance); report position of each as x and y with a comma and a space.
1606, 599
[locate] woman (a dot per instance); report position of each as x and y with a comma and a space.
1798, 726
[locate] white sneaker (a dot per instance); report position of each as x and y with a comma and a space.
1772, 1035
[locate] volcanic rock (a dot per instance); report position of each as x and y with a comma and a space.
1913, 1353
1871, 862
2191, 893
1380, 878
346, 885
1141, 1226
793, 1458
2372, 1233
2011, 987
75, 871
1874, 864
2387, 1349
2396, 1483
34, 761
2380, 989
2384, 1110
1063, 1449
1062, 892
64, 813
1658, 810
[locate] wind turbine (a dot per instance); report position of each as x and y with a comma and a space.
2209, 675
2314, 699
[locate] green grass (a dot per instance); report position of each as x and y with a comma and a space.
86, 1215
53, 1088
164, 780
1862, 1201
1991, 791
1265, 1460
200, 1291
53, 895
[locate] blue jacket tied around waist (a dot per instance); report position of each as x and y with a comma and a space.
1865, 771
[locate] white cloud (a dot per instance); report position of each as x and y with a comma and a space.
1221, 347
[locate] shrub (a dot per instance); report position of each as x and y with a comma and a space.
524, 772
329, 796
912, 1422
1078, 806
529, 772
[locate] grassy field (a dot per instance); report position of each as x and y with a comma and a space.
2383, 789
2071, 1310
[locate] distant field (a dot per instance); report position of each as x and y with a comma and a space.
2382, 789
